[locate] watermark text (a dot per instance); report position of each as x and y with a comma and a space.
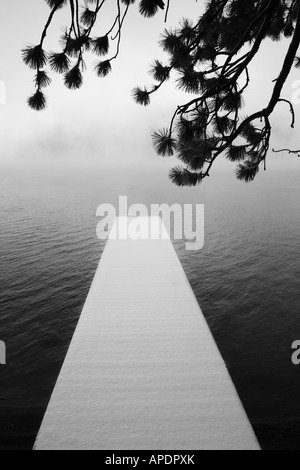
2, 353
155, 459
136, 222
296, 354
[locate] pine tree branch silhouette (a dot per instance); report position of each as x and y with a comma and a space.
210, 58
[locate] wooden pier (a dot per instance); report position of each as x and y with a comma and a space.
143, 371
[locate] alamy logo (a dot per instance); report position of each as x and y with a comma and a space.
2, 353
182, 222
296, 354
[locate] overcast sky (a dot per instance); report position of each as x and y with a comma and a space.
100, 122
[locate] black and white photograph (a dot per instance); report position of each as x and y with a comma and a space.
150, 228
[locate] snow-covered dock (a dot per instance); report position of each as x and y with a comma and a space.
143, 371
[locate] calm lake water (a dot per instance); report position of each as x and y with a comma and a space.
246, 279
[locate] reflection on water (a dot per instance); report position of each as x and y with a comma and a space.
246, 278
